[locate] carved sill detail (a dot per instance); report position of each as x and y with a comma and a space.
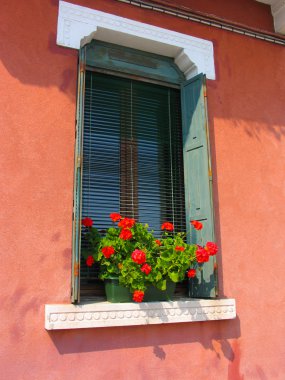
105, 314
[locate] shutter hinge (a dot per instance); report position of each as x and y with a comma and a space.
210, 172
78, 161
76, 269
82, 67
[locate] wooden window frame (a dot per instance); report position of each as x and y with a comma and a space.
157, 69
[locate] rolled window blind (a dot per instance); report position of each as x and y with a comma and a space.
132, 152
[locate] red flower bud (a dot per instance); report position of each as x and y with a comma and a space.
167, 226
197, 225
108, 251
138, 295
90, 261
158, 242
178, 248
126, 234
87, 222
191, 273
146, 269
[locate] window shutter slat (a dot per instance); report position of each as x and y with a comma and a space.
198, 179
76, 235
132, 161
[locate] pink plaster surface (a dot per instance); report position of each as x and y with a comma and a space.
247, 127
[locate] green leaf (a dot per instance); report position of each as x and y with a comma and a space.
174, 276
163, 285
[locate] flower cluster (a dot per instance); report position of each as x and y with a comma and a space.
126, 234
87, 222
138, 296
167, 226
108, 251
146, 268
126, 223
132, 253
138, 256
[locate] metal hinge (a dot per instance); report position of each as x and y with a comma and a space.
78, 161
76, 269
82, 67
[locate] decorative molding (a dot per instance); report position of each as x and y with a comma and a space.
192, 55
105, 314
210, 20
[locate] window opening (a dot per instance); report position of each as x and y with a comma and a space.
132, 157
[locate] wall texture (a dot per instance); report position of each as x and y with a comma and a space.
247, 126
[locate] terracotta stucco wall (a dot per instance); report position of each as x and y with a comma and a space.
247, 124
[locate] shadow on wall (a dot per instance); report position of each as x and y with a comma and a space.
212, 335
29, 51
249, 87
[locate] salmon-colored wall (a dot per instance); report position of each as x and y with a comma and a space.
247, 126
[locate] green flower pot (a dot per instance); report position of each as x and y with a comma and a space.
153, 294
117, 293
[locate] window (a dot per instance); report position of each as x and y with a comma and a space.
129, 136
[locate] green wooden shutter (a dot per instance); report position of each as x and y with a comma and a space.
198, 179
76, 232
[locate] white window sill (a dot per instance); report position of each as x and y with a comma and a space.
106, 314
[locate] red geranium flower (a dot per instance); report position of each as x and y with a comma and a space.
90, 261
167, 226
115, 216
126, 234
138, 256
212, 248
87, 222
127, 223
108, 251
191, 273
138, 295
146, 269
178, 248
158, 242
202, 256
197, 225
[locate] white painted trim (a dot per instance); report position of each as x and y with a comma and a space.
105, 314
192, 55
278, 12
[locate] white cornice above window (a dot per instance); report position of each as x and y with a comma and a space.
278, 13
192, 55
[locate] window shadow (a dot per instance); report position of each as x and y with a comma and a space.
216, 336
